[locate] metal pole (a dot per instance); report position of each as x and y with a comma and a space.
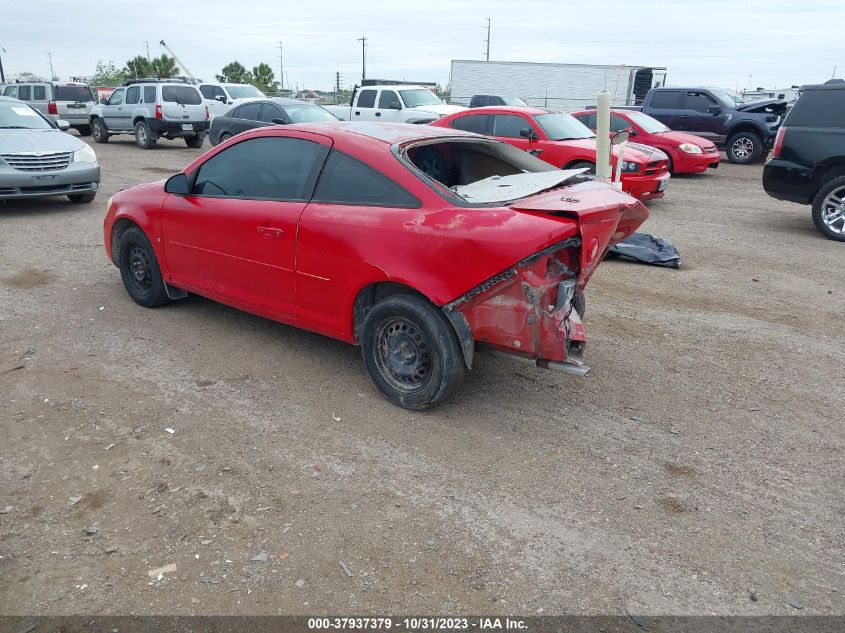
281, 66
363, 41
3, 75
52, 74
488, 39
148, 49
603, 136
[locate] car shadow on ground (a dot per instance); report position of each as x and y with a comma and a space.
35, 207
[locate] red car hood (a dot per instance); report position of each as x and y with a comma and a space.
630, 154
605, 216
683, 137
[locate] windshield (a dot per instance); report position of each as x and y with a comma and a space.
308, 114
419, 97
19, 116
649, 124
187, 95
72, 93
514, 101
562, 127
244, 92
728, 99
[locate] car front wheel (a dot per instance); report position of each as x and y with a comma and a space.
744, 148
139, 269
829, 209
82, 198
411, 352
98, 129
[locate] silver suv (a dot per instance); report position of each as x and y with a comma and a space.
71, 102
150, 109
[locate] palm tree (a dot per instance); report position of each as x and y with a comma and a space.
138, 67
234, 72
164, 67
263, 79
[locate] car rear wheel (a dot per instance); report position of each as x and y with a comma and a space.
591, 169
143, 136
98, 129
744, 148
139, 269
82, 198
829, 209
195, 141
411, 352
84, 130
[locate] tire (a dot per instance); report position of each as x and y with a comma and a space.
195, 141
82, 198
85, 130
224, 137
584, 164
411, 352
829, 209
139, 269
143, 136
744, 148
98, 129
431, 162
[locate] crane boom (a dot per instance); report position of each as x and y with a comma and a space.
179, 61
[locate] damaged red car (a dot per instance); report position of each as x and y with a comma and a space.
341, 229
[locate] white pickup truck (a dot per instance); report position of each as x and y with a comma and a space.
393, 104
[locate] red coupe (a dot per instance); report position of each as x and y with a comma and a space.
688, 154
348, 230
564, 142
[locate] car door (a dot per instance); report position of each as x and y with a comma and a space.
215, 99
364, 108
271, 114
701, 115
663, 106
233, 238
130, 103
40, 100
113, 110
384, 111
509, 128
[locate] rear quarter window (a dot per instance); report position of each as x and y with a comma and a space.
665, 99
149, 94
819, 108
348, 181
478, 123
187, 95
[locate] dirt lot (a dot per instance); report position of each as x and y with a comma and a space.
699, 462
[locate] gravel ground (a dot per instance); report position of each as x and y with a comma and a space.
698, 469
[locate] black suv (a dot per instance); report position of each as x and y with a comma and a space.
808, 159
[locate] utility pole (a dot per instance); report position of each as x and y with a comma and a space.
833, 76
52, 74
337, 87
148, 49
3, 75
363, 41
488, 39
281, 67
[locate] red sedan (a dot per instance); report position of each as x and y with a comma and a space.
564, 142
688, 154
341, 229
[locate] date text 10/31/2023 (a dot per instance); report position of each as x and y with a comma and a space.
417, 623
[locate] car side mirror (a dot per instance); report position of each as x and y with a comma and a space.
528, 133
104, 101
178, 185
279, 121
394, 105
714, 110
631, 131
620, 137
63, 125
221, 98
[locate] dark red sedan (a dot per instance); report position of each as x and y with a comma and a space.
688, 154
341, 229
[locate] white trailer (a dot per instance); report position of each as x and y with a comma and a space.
565, 87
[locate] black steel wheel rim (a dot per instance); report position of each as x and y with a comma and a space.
140, 271
403, 354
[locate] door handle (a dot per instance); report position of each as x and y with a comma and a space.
683, 116
378, 113
357, 114
270, 231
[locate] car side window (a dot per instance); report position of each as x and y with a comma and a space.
665, 99
478, 123
149, 94
366, 99
270, 167
39, 93
270, 112
116, 97
617, 123
248, 111
10, 91
207, 92
698, 101
218, 92
24, 93
509, 125
133, 94
386, 98
346, 180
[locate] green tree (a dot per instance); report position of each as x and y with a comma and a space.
235, 73
107, 74
164, 67
263, 78
138, 67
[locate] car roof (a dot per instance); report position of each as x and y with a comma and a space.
505, 109
286, 101
389, 133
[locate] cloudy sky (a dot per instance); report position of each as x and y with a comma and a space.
707, 42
